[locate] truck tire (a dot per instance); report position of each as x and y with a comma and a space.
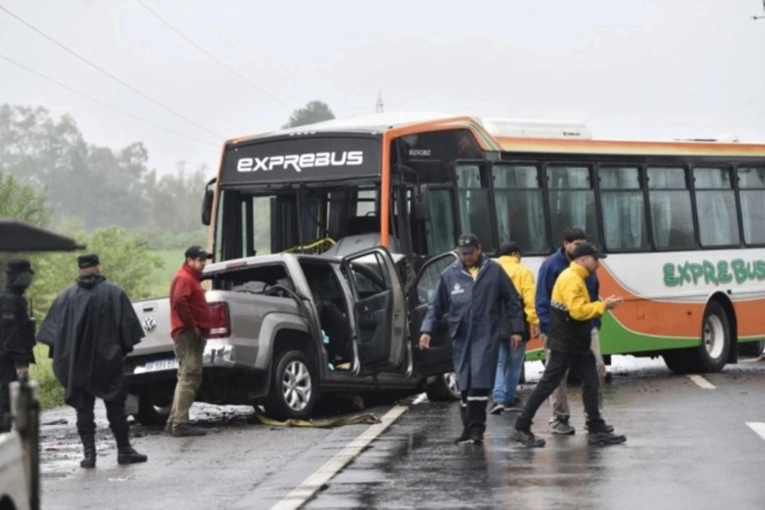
294, 388
443, 387
154, 406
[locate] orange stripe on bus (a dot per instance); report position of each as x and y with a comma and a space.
668, 319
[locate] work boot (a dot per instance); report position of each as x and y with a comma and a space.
608, 427
186, 430
126, 454
169, 427
605, 438
561, 426
526, 438
476, 435
89, 450
464, 437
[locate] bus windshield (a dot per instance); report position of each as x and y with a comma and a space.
260, 222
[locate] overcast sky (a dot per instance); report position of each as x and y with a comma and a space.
652, 69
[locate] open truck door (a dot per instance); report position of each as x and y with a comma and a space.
379, 308
438, 358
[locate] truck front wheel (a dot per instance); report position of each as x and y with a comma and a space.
154, 406
294, 389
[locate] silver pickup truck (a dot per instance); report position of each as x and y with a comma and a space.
288, 327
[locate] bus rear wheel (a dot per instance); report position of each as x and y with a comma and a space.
715, 339
712, 354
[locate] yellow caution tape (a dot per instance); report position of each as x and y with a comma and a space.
356, 419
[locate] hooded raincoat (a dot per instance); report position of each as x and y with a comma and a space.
475, 306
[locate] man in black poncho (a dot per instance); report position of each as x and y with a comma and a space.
17, 336
90, 328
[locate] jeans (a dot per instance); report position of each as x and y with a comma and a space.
509, 369
558, 365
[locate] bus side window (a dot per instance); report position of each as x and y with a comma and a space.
751, 183
716, 207
670, 202
572, 200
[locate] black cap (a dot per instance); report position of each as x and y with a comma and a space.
467, 243
508, 248
587, 249
86, 261
197, 252
16, 266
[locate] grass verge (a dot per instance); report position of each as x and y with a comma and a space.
51, 393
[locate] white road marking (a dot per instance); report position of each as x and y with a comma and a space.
420, 399
316, 481
759, 428
701, 382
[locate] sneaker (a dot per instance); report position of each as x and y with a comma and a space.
187, 431
605, 438
608, 427
497, 408
527, 439
561, 426
515, 405
464, 437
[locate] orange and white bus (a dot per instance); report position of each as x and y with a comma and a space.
683, 222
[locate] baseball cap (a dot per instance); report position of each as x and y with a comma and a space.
587, 249
16, 266
197, 252
467, 243
86, 261
508, 248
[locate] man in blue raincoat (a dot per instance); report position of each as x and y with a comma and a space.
474, 291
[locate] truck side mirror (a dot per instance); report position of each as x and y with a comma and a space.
207, 202
421, 204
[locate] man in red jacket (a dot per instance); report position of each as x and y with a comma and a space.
190, 322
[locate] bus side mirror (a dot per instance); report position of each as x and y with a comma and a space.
421, 204
207, 202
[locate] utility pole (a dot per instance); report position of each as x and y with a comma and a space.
379, 107
755, 18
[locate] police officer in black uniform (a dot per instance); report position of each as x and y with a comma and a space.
17, 335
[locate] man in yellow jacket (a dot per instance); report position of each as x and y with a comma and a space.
571, 311
511, 355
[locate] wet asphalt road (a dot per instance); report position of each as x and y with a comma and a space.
687, 447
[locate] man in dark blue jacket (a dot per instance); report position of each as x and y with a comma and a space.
548, 273
475, 292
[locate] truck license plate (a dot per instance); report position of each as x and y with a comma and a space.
163, 364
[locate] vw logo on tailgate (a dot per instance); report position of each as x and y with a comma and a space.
149, 324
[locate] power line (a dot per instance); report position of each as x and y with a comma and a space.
103, 71
102, 103
210, 55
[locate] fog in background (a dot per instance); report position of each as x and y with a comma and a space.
631, 69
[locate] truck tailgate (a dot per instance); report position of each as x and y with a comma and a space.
154, 315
